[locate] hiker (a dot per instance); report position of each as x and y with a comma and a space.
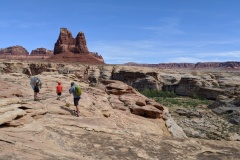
36, 86
36, 90
59, 90
76, 96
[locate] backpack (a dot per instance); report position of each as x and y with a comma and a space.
33, 82
78, 90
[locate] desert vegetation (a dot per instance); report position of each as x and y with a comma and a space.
170, 99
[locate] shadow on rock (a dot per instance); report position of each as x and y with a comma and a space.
68, 109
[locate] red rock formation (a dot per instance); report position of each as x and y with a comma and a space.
66, 43
81, 44
69, 49
14, 51
41, 52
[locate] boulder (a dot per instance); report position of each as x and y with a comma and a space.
8, 116
9, 108
117, 104
146, 111
7, 101
173, 127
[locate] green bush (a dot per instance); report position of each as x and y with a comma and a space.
182, 101
157, 93
170, 99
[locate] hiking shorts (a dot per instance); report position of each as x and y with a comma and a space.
59, 94
76, 100
36, 89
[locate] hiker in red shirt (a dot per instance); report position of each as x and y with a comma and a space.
59, 90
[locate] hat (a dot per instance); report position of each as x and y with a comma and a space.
59, 83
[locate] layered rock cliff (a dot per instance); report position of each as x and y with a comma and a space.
41, 52
66, 43
69, 49
199, 65
14, 51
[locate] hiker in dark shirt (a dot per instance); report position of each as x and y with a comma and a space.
36, 85
36, 91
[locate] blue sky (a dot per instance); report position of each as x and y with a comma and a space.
141, 31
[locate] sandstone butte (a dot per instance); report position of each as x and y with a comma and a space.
66, 49
116, 121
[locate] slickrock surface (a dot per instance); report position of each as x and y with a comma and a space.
116, 122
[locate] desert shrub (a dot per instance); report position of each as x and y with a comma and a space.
194, 73
195, 96
67, 105
157, 93
182, 101
170, 99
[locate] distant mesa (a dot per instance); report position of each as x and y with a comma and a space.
199, 65
42, 52
20, 53
14, 51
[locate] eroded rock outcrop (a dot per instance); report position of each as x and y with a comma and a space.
20, 53
14, 51
133, 101
65, 42
43, 52
228, 107
194, 86
71, 49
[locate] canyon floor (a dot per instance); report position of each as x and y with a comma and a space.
47, 129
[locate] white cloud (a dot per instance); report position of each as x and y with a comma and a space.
167, 26
228, 54
168, 29
159, 52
